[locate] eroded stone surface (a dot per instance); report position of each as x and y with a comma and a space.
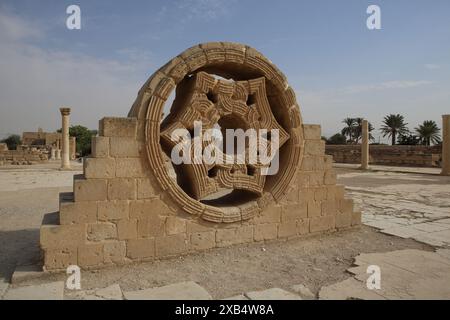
48, 291
179, 291
405, 274
272, 294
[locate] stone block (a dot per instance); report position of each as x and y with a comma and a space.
266, 231
101, 231
60, 257
202, 240
52, 236
77, 212
343, 220
303, 226
99, 168
316, 178
122, 189
324, 223
114, 252
175, 225
314, 208
90, 255
124, 147
100, 147
144, 208
139, 249
118, 127
314, 147
145, 189
320, 193
127, 229
288, 229
329, 207
346, 205
130, 168
198, 225
113, 210
90, 190
151, 226
230, 236
292, 212
311, 132
356, 218
170, 245
270, 214
330, 177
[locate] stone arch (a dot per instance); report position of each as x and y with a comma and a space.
239, 63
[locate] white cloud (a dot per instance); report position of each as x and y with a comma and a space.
35, 82
431, 66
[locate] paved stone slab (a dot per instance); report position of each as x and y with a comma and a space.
24, 273
272, 294
238, 297
3, 287
303, 291
178, 291
405, 274
112, 292
48, 291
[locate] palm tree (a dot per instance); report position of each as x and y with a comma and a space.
349, 129
428, 132
357, 131
394, 124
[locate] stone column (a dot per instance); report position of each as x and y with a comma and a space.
58, 154
365, 145
65, 157
446, 145
53, 154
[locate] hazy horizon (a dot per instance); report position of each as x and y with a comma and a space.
337, 66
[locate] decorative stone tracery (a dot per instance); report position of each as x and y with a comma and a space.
133, 204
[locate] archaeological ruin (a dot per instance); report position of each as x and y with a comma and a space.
133, 204
37, 147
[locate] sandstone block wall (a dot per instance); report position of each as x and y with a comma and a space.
132, 204
118, 214
416, 156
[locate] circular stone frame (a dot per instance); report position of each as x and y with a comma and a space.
229, 60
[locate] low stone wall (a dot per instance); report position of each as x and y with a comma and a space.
415, 156
23, 156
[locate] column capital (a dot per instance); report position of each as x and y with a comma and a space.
64, 111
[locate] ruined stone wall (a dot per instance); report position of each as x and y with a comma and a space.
118, 214
23, 156
416, 156
128, 206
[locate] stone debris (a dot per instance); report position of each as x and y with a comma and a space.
179, 291
48, 291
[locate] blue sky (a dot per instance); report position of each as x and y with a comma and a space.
337, 66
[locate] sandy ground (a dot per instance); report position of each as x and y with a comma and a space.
27, 193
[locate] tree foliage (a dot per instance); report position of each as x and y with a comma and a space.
12, 141
428, 133
394, 125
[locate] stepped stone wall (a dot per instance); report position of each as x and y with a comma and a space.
131, 204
